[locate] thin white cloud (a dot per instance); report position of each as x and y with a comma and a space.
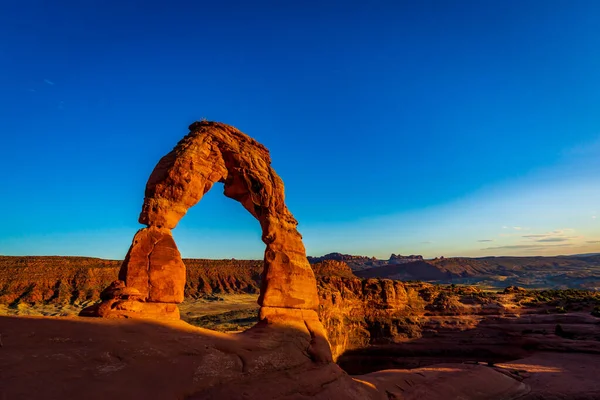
557, 235
49, 82
554, 239
525, 247
564, 230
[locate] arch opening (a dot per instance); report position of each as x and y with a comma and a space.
219, 229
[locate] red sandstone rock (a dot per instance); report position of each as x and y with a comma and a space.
303, 321
118, 290
132, 309
100, 359
153, 266
332, 268
214, 152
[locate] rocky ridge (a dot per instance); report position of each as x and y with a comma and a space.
372, 324
357, 313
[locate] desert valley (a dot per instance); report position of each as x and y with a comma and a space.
538, 337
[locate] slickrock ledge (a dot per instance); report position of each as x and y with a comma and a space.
101, 358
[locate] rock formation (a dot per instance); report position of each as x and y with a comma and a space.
332, 268
399, 258
153, 270
372, 325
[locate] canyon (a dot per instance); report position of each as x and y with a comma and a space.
556, 272
357, 312
372, 324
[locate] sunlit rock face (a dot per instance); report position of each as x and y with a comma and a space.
153, 266
214, 152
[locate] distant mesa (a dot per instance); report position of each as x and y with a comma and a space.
359, 263
401, 259
408, 271
152, 276
340, 257
329, 268
355, 259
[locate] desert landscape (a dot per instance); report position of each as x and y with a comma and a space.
274, 200
403, 331
320, 330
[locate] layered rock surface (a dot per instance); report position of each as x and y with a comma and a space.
154, 266
36, 280
389, 324
97, 358
356, 312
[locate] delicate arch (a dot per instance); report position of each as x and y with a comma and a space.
153, 271
214, 152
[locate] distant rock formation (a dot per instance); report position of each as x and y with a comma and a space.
340, 257
354, 262
359, 263
409, 270
79, 281
398, 259
214, 152
332, 268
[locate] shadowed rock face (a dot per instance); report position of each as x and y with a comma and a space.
214, 152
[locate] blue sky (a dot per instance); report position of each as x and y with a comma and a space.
433, 127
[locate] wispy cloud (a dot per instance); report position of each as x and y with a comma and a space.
558, 235
554, 239
49, 82
485, 240
593, 241
31, 90
517, 228
525, 247
426, 242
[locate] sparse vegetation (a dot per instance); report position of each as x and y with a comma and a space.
230, 321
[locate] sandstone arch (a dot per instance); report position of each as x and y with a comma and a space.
152, 276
